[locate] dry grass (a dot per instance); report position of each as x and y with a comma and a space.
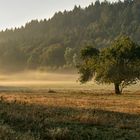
61, 113
67, 111
128, 103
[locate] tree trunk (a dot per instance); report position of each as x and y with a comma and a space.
117, 89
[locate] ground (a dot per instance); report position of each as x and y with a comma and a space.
68, 111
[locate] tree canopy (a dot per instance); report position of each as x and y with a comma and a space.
118, 64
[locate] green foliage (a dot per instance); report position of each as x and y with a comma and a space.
87, 68
71, 58
89, 52
118, 64
69, 53
96, 24
53, 55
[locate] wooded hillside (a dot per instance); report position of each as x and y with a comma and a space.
57, 42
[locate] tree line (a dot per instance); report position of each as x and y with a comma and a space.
56, 42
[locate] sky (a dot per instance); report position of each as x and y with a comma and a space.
15, 13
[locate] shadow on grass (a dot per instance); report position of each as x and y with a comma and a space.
48, 121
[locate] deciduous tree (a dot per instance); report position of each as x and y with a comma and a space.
118, 64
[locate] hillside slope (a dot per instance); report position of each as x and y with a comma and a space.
56, 42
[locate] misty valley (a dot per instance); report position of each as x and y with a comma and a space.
71, 76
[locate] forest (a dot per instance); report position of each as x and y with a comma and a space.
39, 44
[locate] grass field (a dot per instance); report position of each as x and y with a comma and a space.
45, 109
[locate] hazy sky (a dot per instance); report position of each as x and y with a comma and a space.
14, 13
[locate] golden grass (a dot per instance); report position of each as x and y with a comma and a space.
59, 114
128, 103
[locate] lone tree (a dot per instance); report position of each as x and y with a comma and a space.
118, 64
